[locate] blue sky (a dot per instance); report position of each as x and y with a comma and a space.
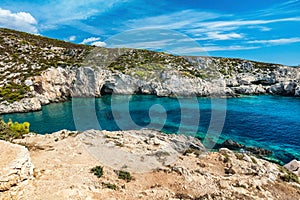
266, 31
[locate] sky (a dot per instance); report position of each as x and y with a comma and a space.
267, 31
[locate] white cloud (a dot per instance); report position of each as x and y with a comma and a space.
94, 41
99, 44
89, 40
72, 38
261, 28
198, 50
177, 20
275, 41
223, 36
229, 48
235, 24
22, 21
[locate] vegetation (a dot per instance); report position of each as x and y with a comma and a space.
13, 92
110, 186
13, 130
253, 160
226, 158
239, 156
197, 152
288, 176
124, 175
24, 55
97, 171
145, 64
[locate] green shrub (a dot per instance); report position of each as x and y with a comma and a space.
253, 160
226, 157
190, 151
124, 175
13, 130
288, 176
110, 186
97, 171
239, 156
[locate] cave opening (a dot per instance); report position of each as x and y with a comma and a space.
105, 90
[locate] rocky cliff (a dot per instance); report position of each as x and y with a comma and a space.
37, 71
158, 166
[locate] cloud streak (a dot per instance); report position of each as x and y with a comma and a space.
276, 41
66, 12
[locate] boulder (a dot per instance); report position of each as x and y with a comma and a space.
233, 145
15, 166
293, 166
258, 151
25, 105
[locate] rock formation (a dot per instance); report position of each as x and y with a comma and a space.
15, 164
294, 167
38, 71
162, 166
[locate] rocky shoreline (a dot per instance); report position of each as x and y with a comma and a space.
60, 84
162, 167
36, 71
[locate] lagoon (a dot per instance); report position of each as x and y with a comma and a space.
271, 122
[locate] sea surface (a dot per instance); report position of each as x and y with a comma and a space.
270, 122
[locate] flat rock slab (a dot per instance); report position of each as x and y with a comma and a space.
9, 152
15, 165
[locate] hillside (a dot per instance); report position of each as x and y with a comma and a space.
24, 55
36, 70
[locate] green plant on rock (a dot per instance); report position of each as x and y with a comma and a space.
124, 175
226, 158
253, 160
13, 92
13, 130
239, 156
110, 186
97, 171
288, 176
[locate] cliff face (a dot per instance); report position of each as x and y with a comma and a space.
38, 71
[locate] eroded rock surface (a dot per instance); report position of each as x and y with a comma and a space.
16, 168
174, 167
65, 70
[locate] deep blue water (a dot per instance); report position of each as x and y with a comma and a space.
270, 122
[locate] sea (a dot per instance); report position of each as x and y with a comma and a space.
270, 122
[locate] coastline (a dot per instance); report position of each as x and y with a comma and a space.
218, 144
174, 167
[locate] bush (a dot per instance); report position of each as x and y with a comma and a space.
253, 160
226, 158
288, 176
13, 130
97, 171
239, 156
124, 175
110, 186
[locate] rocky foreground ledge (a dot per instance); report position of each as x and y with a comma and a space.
58, 166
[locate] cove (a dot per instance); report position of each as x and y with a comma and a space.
271, 122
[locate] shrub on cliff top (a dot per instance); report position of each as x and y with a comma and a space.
97, 171
13, 130
124, 175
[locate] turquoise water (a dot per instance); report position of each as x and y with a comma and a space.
270, 122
